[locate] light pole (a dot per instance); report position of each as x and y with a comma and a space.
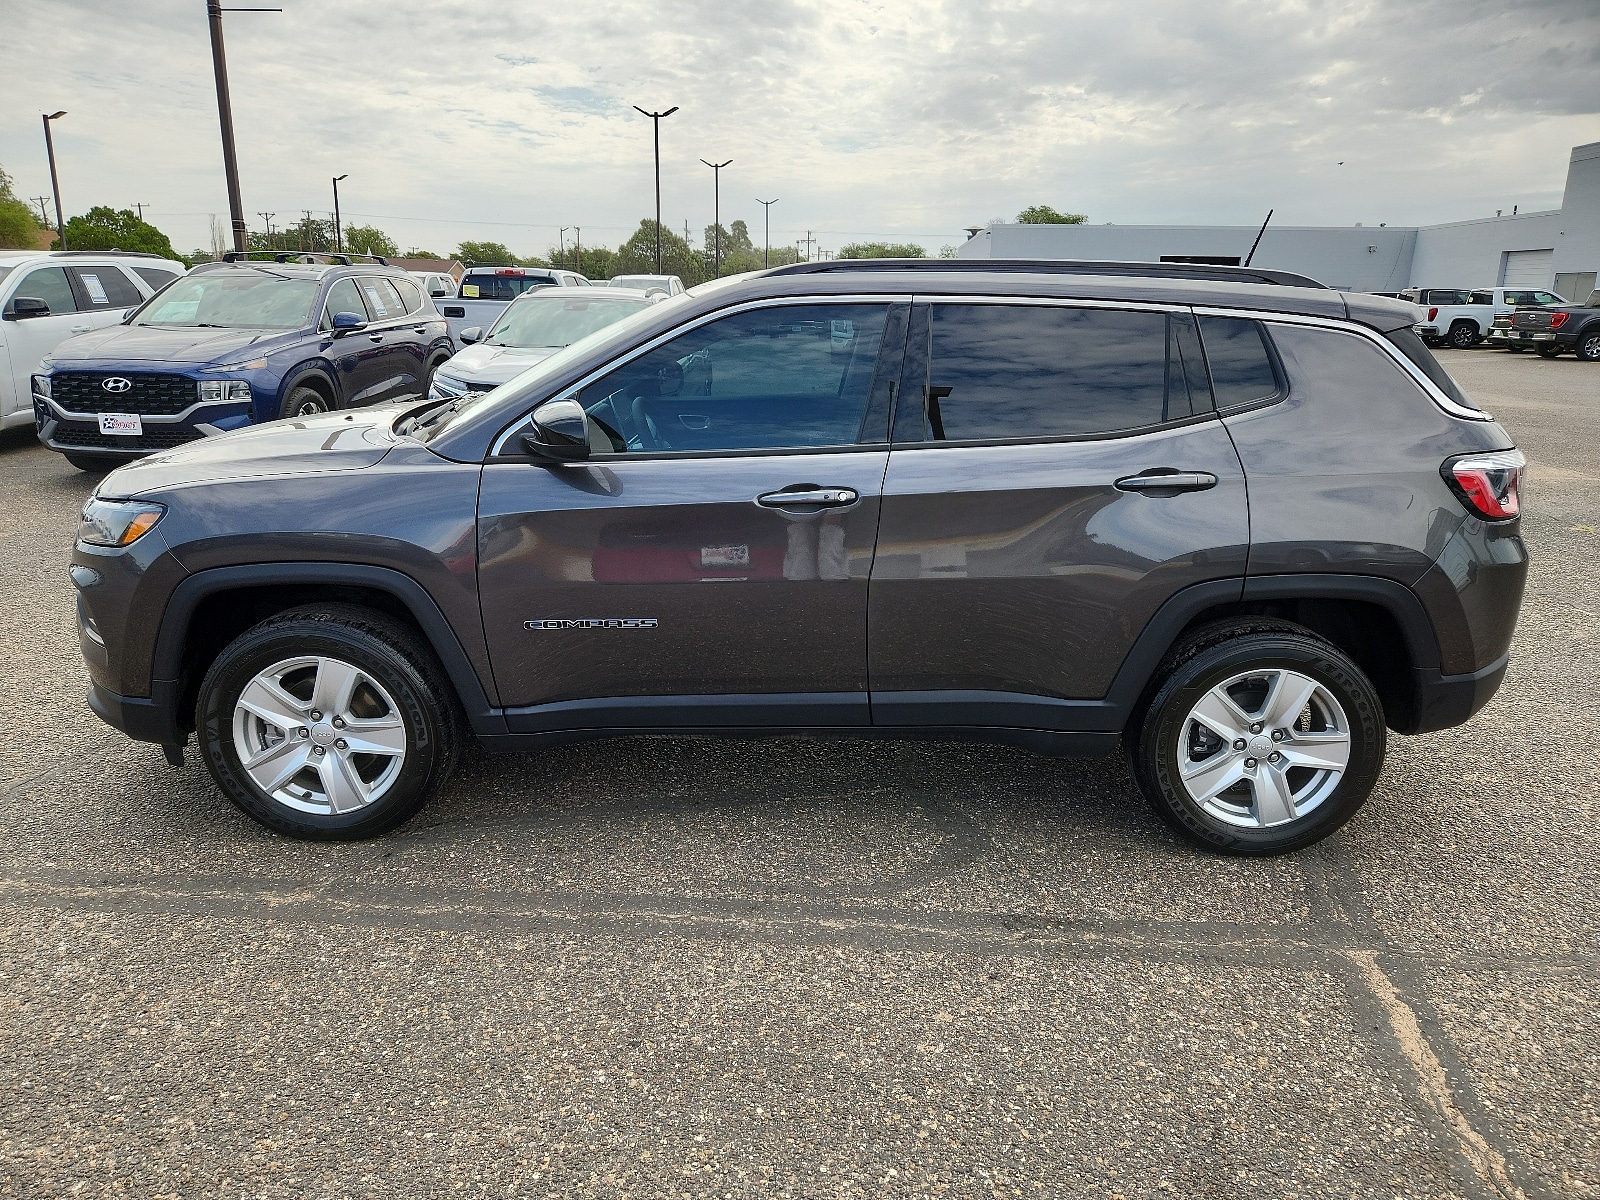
338, 236
561, 237
230, 158
578, 232
766, 247
655, 118
50, 149
716, 213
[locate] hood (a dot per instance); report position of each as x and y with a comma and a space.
147, 343
329, 442
495, 364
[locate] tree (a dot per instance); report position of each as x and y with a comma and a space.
368, 239
17, 222
882, 250
1043, 214
103, 228
418, 252
484, 254
948, 251
637, 255
596, 262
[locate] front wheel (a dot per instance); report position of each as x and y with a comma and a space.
1549, 350
328, 721
304, 402
1261, 739
1464, 335
1515, 347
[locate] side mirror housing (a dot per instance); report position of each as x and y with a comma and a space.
348, 322
471, 335
560, 432
23, 308
438, 292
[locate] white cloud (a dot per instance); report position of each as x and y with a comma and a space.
504, 121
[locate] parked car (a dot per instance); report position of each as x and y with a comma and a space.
235, 343
1239, 530
46, 298
530, 329
1506, 301
485, 291
670, 284
437, 284
1553, 330
1461, 319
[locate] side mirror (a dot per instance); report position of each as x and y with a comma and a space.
471, 335
560, 432
438, 292
348, 322
25, 307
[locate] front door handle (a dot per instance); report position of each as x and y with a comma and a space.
376, 337
810, 498
1169, 482
81, 328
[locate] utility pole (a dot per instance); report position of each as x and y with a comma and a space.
561, 239
808, 245
44, 217
230, 157
766, 241
140, 207
55, 186
267, 220
338, 233
578, 232
655, 118
716, 214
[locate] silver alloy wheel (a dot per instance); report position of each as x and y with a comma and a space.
310, 407
1591, 348
319, 735
1263, 748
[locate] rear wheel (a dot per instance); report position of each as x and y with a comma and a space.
95, 464
1464, 335
1515, 347
1549, 350
1261, 739
328, 721
1589, 346
304, 402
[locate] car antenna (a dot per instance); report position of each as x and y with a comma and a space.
1257, 242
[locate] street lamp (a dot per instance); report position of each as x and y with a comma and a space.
50, 149
230, 158
338, 237
655, 117
716, 213
766, 209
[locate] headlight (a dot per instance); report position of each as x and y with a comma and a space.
212, 390
446, 388
117, 522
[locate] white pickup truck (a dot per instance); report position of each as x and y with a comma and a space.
484, 293
1462, 318
47, 297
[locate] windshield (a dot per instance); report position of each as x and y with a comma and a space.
489, 286
224, 300
555, 322
642, 281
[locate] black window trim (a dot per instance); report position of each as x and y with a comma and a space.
325, 318
499, 453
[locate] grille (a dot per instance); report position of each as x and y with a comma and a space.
150, 395
70, 433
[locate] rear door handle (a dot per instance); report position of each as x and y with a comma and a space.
811, 498
1171, 481
376, 337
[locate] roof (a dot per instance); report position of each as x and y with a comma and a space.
1054, 266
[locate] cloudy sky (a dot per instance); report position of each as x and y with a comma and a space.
506, 119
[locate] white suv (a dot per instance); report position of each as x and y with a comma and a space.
47, 297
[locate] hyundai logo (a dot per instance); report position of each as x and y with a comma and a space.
117, 384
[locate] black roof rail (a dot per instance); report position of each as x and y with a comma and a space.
342, 257
115, 253
1058, 266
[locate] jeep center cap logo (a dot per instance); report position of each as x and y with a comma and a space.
117, 383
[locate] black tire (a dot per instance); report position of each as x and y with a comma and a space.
1515, 347
95, 464
304, 401
433, 369
1434, 343
1589, 346
391, 654
1464, 335
1548, 350
1211, 656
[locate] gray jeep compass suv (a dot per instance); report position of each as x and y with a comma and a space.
1239, 527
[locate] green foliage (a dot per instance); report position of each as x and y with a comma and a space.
368, 239
306, 234
103, 228
1043, 214
418, 252
484, 254
596, 262
17, 222
637, 256
882, 250
948, 252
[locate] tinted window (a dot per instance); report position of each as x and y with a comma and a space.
1546, 298
107, 287
1445, 296
1486, 298
1027, 371
1241, 368
155, 276
410, 294
489, 286
343, 296
50, 285
1417, 351
383, 302
773, 378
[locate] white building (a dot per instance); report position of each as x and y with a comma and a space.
1558, 249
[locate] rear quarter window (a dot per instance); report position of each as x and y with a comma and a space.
1413, 347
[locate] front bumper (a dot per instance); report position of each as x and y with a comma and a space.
71, 432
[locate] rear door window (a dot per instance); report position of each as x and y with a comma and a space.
50, 285
410, 294
383, 302
1239, 361
106, 287
1004, 371
155, 276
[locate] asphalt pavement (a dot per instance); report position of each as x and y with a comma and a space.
794, 968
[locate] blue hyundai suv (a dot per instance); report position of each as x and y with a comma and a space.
236, 343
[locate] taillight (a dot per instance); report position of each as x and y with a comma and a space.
1433, 314
1490, 485
1557, 320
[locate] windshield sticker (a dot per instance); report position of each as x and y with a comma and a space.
469, 291
97, 291
377, 304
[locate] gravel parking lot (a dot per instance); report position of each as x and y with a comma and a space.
707, 968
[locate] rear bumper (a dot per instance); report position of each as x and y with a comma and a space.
1445, 701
